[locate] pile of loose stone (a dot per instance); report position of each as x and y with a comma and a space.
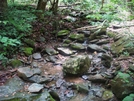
81, 68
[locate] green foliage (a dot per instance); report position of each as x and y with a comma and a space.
15, 25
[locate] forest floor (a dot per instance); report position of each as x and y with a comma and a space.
45, 36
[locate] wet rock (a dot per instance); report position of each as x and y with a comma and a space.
37, 56
51, 51
34, 88
77, 46
122, 85
70, 19
107, 95
34, 64
99, 93
70, 94
52, 59
81, 87
106, 60
63, 33
94, 47
78, 37
77, 65
27, 51
15, 63
38, 79
12, 86
97, 78
65, 51
59, 82
26, 72
129, 98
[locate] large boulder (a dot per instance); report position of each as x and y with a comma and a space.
77, 65
122, 85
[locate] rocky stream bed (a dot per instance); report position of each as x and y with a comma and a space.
88, 65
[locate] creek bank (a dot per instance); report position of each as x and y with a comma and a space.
97, 74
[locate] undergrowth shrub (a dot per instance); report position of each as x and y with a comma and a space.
15, 25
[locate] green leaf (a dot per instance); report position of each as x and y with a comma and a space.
4, 39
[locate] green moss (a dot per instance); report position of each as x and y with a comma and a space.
15, 63
75, 36
28, 50
63, 33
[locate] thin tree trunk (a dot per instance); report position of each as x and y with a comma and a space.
3, 6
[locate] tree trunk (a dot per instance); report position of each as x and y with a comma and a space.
42, 7
3, 6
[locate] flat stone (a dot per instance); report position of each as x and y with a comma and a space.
70, 19
96, 78
37, 56
26, 72
38, 79
77, 46
34, 88
51, 51
76, 36
94, 47
65, 51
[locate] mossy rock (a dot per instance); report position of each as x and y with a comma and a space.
30, 42
77, 65
28, 51
107, 95
78, 37
67, 41
77, 46
122, 85
15, 63
63, 33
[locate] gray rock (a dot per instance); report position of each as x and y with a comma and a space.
70, 19
51, 51
94, 47
34, 88
65, 51
122, 85
38, 79
96, 78
45, 96
77, 46
77, 65
34, 64
81, 87
52, 59
12, 86
26, 72
37, 56
86, 33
